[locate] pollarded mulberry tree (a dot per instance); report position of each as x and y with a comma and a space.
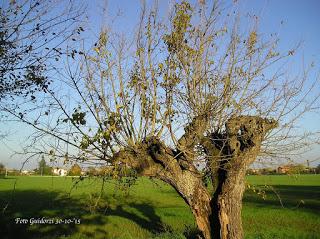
197, 90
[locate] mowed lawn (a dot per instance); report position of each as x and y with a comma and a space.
274, 207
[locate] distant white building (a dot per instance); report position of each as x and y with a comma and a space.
25, 172
60, 171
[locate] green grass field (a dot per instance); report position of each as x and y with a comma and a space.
151, 209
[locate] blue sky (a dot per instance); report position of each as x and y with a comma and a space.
294, 20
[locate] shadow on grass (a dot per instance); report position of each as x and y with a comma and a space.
149, 220
293, 197
33, 204
27, 204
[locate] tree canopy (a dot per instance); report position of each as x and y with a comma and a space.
31, 38
75, 170
43, 168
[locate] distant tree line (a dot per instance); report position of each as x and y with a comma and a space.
122, 171
287, 169
43, 169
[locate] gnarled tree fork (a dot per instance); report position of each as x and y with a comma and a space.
217, 213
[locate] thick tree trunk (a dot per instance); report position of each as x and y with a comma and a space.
237, 147
218, 217
227, 204
201, 209
196, 195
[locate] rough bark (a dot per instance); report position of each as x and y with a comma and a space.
236, 148
197, 196
227, 204
187, 181
153, 158
217, 216
201, 209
